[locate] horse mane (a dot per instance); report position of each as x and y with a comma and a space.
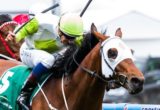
67, 64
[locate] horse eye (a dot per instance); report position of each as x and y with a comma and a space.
112, 53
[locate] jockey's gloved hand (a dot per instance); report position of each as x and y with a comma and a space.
58, 60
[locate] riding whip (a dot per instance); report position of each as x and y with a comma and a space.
85, 8
44, 11
50, 8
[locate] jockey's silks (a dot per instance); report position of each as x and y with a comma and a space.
41, 33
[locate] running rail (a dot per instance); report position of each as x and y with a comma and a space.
127, 106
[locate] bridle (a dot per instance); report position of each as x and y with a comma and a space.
119, 79
90, 72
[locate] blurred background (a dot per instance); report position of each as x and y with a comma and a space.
139, 21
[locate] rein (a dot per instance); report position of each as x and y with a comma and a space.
92, 73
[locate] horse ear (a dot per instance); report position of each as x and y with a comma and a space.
93, 28
99, 36
132, 51
118, 33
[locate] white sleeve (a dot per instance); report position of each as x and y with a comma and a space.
47, 21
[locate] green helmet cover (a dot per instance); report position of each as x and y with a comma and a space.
71, 24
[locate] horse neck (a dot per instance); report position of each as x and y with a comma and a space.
88, 91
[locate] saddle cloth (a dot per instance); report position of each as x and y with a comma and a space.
11, 83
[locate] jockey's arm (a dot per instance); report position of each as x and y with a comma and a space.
47, 21
30, 28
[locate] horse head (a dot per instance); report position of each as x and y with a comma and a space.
117, 62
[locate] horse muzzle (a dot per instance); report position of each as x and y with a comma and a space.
135, 85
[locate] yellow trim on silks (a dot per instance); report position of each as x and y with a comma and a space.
47, 45
30, 28
79, 40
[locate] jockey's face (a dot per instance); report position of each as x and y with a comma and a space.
65, 39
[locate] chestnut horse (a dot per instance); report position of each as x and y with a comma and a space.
9, 49
88, 72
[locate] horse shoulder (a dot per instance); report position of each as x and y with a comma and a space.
6, 64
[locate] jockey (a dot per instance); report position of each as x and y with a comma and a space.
7, 25
44, 35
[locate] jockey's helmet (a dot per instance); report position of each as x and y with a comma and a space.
71, 24
38, 8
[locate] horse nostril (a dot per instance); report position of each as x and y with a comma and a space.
137, 82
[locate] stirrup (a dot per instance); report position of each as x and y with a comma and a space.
22, 105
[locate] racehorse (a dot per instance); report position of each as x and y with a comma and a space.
9, 48
87, 74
